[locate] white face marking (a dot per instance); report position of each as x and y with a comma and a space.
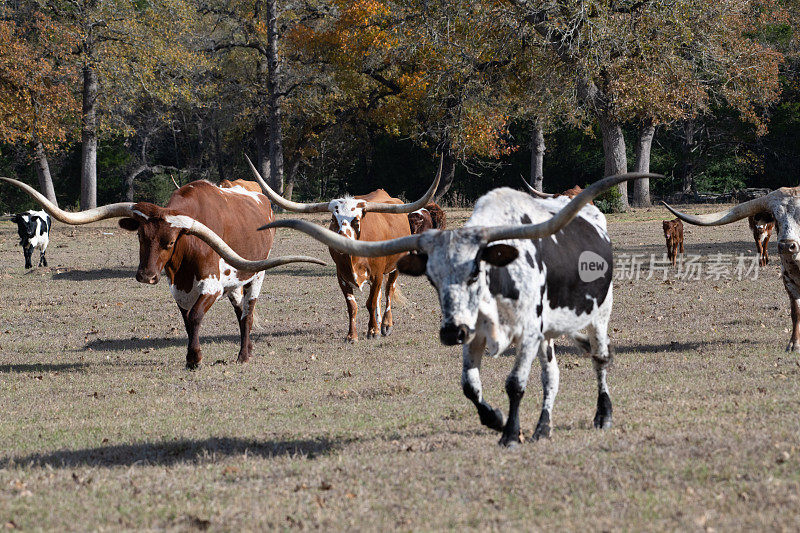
179, 221
348, 213
238, 189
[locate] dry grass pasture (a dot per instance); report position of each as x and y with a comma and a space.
102, 428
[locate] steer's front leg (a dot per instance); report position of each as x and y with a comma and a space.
192, 320
515, 388
471, 384
374, 306
794, 341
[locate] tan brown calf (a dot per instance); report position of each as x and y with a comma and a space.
762, 225
371, 217
171, 240
673, 233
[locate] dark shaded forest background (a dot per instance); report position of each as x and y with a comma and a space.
334, 97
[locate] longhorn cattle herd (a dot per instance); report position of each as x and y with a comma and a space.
525, 269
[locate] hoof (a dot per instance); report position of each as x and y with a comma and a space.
243, 358
493, 419
192, 365
543, 429
793, 347
351, 339
510, 442
371, 334
386, 330
602, 421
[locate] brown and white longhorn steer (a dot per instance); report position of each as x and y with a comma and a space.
762, 225
171, 239
673, 233
371, 217
429, 217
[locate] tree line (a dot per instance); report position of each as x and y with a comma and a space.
109, 100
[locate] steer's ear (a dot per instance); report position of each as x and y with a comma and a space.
499, 255
130, 224
413, 264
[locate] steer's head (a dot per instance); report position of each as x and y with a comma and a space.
455, 263
347, 214
782, 205
157, 238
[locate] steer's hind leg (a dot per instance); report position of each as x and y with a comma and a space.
601, 358
515, 388
471, 384
550, 378
391, 285
192, 320
244, 315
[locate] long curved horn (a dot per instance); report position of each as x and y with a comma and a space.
567, 213
123, 209
349, 246
733, 214
534, 192
407, 244
279, 200
380, 207
200, 230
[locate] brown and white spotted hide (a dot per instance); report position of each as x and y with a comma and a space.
762, 225
571, 193
197, 275
349, 220
673, 233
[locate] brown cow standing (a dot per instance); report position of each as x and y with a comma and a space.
226, 217
762, 226
429, 217
673, 233
371, 217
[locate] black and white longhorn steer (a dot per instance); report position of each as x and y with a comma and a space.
550, 276
34, 232
783, 206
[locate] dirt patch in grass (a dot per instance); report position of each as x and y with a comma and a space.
101, 427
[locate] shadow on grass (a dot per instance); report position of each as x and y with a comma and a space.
173, 452
311, 271
566, 347
44, 367
94, 275
155, 343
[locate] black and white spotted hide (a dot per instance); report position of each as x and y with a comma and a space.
34, 232
523, 292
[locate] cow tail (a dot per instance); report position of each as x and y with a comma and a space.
399, 298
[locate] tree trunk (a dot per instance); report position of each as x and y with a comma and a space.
89, 139
537, 156
614, 154
448, 174
218, 150
641, 188
262, 150
687, 153
290, 179
273, 81
43, 173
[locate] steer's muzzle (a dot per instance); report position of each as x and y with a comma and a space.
451, 334
788, 246
145, 277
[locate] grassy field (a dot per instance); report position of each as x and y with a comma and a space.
102, 428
